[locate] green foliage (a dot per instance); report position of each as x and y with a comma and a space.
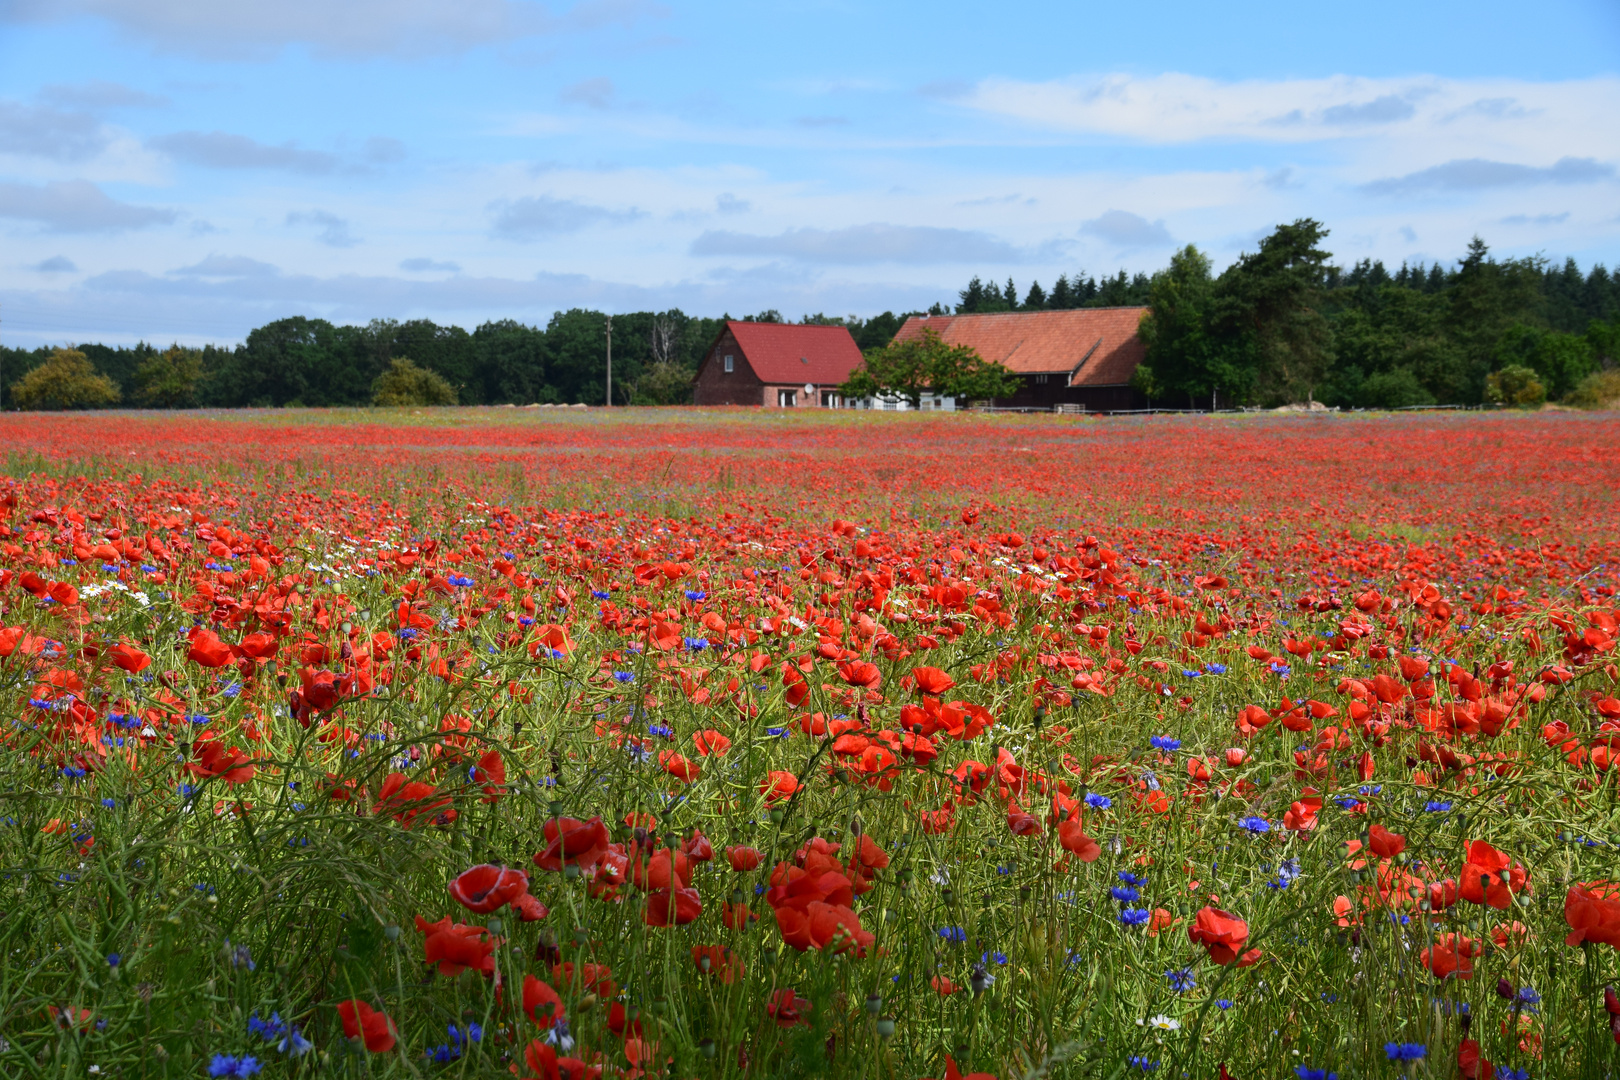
927, 365
404, 384
168, 380
1184, 359
67, 380
1266, 309
1515, 385
1599, 390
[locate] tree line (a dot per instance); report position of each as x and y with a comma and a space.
1282, 324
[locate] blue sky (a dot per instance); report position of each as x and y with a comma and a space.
188, 169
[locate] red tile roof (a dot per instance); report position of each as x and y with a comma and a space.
1100, 342
795, 355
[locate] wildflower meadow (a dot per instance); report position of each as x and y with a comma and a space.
575, 744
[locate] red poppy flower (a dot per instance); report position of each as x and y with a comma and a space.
482, 889
709, 742
454, 946
953, 1073
1385, 844
1452, 956
1223, 935
1592, 911
208, 650
719, 961
490, 775
362, 1021
787, 1008
744, 859
569, 840
542, 1003
1491, 877
778, 785
931, 680
672, 906
861, 673
1074, 839
128, 657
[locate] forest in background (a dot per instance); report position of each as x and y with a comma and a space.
1282, 324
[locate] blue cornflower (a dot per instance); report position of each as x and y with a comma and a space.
600, 594
1135, 916
776, 732
407, 633
1329, 998
1506, 1073
953, 933
1437, 807
1131, 879
1124, 893
1181, 979
1346, 802
1305, 1072
697, 644
1223, 1004
1256, 824
1527, 996
1137, 1061
661, 730
225, 1065
1191, 674
1215, 669
1370, 790
1165, 743
113, 959
268, 1030
695, 595
1098, 802
624, 676
1405, 1051
459, 581
997, 957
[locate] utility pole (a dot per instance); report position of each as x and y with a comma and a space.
609, 362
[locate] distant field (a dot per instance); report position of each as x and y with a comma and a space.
565, 743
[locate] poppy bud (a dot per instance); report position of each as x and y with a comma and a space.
1505, 990
885, 1029
874, 1003
1610, 1001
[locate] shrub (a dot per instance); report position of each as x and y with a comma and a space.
169, 379
1394, 389
1515, 385
405, 384
1599, 390
65, 381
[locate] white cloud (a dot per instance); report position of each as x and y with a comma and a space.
421, 265
76, 206
1478, 174
534, 216
345, 27
1125, 230
56, 134
99, 94
57, 264
222, 150
864, 245
1177, 108
333, 230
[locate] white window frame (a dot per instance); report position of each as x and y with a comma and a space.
787, 399
731, 365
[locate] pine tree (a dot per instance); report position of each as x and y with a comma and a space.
1062, 296
1036, 300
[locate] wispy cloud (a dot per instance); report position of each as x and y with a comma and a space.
77, 206
332, 230
536, 216
1125, 230
864, 244
1478, 174
222, 150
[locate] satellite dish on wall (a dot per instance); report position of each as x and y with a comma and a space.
809, 389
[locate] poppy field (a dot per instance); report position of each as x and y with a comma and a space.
688, 744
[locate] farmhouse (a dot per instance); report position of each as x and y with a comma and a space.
777, 365
1081, 357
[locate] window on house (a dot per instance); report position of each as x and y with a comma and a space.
730, 365
829, 400
1040, 379
787, 398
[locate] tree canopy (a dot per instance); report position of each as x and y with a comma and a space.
924, 365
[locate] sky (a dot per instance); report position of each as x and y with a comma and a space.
186, 170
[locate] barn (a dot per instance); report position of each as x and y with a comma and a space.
1080, 357
777, 366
